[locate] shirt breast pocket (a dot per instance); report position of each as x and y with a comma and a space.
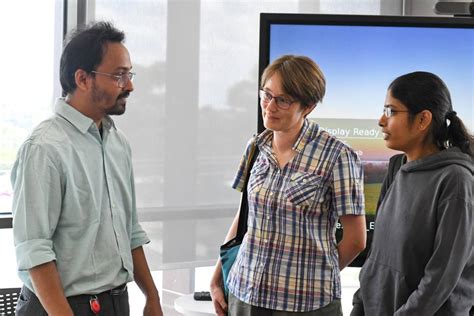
303, 187
257, 176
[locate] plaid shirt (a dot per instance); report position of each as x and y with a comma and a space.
288, 260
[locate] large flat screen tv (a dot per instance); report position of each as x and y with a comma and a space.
360, 56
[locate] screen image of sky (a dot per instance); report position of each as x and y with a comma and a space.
359, 62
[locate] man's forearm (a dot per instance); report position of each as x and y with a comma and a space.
143, 276
49, 290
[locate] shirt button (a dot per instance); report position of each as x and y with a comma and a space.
265, 241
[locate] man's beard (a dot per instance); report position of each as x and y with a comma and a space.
119, 106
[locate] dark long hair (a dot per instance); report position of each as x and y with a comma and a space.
85, 51
420, 91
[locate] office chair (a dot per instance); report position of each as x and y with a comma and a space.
8, 299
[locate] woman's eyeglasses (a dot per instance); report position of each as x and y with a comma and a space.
281, 102
388, 111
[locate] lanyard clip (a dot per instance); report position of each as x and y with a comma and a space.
94, 304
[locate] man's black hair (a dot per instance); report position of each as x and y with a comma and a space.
85, 51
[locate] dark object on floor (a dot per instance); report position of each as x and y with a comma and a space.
202, 296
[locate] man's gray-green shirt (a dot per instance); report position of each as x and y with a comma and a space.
74, 203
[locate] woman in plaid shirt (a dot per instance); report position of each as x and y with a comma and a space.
301, 183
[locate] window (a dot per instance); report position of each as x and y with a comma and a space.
30, 82
30, 78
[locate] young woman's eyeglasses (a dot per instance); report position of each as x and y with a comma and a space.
122, 79
388, 111
281, 102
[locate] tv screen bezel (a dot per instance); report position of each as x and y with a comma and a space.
269, 19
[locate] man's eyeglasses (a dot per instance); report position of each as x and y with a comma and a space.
122, 79
388, 111
281, 102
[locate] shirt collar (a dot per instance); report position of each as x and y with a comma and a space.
305, 135
79, 120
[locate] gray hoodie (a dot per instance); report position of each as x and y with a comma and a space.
422, 261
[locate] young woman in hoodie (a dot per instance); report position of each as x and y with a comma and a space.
421, 261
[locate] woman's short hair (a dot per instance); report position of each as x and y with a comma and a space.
301, 78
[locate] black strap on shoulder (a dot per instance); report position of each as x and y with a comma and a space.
244, 206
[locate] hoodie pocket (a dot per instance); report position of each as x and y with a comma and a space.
383, 288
